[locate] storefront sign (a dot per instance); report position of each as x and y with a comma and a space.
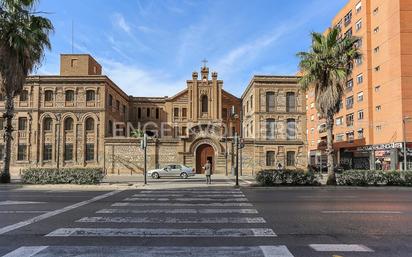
381, 147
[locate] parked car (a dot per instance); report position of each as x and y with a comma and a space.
172, 170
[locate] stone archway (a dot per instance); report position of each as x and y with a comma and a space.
204, 152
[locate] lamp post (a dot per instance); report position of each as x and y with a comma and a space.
405, 149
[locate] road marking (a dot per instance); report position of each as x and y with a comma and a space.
186, 204
181, 211
21, 212
154, 232
18, 202
194, 192
189, 194
275, 251
46, 215
217, 220
340, 248
26, 251
114, 251
186, 199
362, 212
332, 197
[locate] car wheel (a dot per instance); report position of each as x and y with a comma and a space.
184, 175
155, 175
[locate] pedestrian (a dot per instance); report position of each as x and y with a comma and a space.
208, 172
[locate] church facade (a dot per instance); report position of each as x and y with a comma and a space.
81, 118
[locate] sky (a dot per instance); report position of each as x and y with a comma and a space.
151, 47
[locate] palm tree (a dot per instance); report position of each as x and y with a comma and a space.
325, 69
24, 36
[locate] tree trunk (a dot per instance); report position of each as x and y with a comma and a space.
8, 130
331, 171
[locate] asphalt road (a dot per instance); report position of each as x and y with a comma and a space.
207, 221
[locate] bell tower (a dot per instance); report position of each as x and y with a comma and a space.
205, 96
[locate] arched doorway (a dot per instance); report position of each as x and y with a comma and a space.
203, 153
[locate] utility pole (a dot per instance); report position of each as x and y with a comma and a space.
405, 148
143, 145
237, 158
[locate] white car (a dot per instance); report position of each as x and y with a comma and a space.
172, 170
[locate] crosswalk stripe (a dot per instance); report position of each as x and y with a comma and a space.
26, 251
185, 204
340, 248
188, 194
156, 232
186, 199
216, 220
180, 211
196, 192
215, 251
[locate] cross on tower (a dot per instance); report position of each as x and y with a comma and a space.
204, 61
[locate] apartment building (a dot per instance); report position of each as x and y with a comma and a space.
373, 125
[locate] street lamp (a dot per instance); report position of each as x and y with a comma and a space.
405, 149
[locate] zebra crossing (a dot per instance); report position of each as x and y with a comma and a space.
185, 216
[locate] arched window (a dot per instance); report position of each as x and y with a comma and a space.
204, 104
89, 124
291, 129
47, 124
290, 102
270, 102
68, 124
48, 96
270, 158
24, 95
69, 96
270, 129
90, 95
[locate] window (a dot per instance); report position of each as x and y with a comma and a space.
312, 130
360, 115
204, 103
90, 95
69, 96
290, 102
377, 88
247, 106
224, 113
270, 129
270, 102
349, 85
124, 109
358, 25
89, 152
1, 152
339, 121
73, 62
176, 112
360, 96
139, 113
270, 158
184, 131
22, 123
251, 102
184, 112
348, 33
312, 117
148, 112
349, 102
68, 124
376, 11
360, 134
312, 105
291, 129
110, 128
358, 7
68, 152
376, 30
359, 60
340, 137
47, 152
157, 113
24, 95
377, 68
378, 108
1, 125
349, 120
359, 78
350, 136
47, 124
89, 124
22, 152
348, 18
358, 43
48, 96
110, 100
117, 104
376, 49
290, 158
378, 128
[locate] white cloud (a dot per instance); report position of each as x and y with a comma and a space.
121, 23
140, 82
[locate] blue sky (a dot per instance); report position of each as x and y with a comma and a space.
151, 47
